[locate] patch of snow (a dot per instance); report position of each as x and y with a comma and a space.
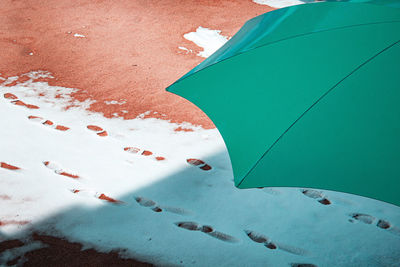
143, 115
279, 3
169, 211
9, 80
115, 102
209, 40
79, 35
38, 74
14, 253
185, 49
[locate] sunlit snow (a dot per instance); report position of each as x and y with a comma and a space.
209, 40
157, 206
279, 3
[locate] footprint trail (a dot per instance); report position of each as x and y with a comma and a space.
316, 195
209, 230
148, 203
58, 170
14, 100
48, 123
380, 223
98, 195
268, 243
199, 163
99, 131
142, 152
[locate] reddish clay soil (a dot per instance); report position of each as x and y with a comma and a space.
31, 117
74, 176
95, 128
62, 128
13, 222
47, 122
8, 166
21, 103
10, 96
147, 153
130, 50
109, 199
60, 252
103, 134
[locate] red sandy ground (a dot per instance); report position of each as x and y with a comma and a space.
130, 50
60, 252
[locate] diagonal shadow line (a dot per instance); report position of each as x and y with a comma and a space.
168, 188
133, 226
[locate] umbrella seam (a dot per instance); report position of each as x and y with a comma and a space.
314, 104
280, 40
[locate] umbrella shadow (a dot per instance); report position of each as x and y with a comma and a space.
192, 212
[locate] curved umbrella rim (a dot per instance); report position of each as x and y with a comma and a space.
187, 75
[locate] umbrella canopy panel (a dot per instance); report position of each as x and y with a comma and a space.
301, 20
254, 97
348, 141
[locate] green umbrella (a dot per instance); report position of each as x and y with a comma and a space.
309, 96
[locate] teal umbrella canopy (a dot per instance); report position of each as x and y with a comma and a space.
309, 96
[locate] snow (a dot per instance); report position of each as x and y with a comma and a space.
209, 40
79, 35
185, 49
168, 212
14, 253
279, 3
115, 102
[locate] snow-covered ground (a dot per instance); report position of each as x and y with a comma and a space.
134, 189
136, 185
209, 40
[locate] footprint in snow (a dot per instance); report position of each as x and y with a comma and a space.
14, 100
199, 163
365, 218
148, 203
380, 223
99, 131
10, 96
48, 123
146, 153
316, 195
58, 170
268, 243
97, 195
209, 230
9, 166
